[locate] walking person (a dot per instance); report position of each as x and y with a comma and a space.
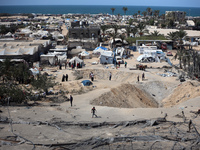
125, 64
71, 99
110, 76
93, 111
143, 77
138, 78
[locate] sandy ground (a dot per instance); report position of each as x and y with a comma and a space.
121, 99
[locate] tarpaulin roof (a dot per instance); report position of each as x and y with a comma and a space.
86, 82
103, 48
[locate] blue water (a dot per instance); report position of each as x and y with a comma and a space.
93, 9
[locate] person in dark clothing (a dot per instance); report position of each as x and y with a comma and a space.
71, 99
63, 78
60, 65
66, 77
93, 111
110, 76
138, 78
143, 77
92, 76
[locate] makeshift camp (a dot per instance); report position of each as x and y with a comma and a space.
84, 55
99, 50
106, 57
53, 58
142, 48
48, 59
152, 56
75, 60
86, 82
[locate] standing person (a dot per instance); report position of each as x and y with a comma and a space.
92, 76
71, 99
138, 78
65, 64
119, 64
63, 78
93, 110
143, 77
60, 65
66, 77
125, 64
72, 66
110, 76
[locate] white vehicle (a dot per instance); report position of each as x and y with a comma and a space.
119, 59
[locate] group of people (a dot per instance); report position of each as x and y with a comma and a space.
65, 77
118, 64
143, 77
72, 65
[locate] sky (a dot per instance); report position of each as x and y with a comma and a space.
175, 3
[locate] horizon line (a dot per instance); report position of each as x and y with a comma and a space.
98, 5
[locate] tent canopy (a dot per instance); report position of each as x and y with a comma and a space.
100, 47
76, 59
99, 50
84, 53
86, 82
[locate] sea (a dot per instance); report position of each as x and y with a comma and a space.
93, 9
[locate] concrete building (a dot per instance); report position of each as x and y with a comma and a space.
84, 35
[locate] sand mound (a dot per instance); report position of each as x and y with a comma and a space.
182, 93
126, 96
103, 74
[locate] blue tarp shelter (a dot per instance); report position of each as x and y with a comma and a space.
86, 82
100, 47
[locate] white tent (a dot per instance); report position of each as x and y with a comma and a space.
99, 50
84, 54
76, 60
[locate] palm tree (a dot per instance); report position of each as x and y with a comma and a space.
181, 34
138, 12
179, 56
155, 33
134, 31
113, 9
141, 27
118, 15
135, 15
149, 11
125, 9
144, 13
156, 13
172, 36
128, 30
122, 37
130, 22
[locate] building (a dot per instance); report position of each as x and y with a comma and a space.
84, 35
